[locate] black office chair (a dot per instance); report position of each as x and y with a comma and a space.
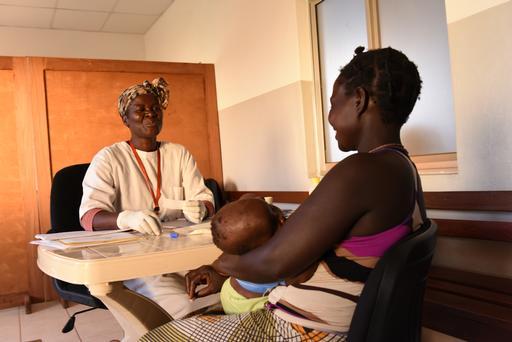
65, 198
218, 196
390, 305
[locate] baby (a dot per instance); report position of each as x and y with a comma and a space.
237, 228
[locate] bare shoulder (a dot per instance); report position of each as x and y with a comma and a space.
381, 183
373, 167
372, 179
354, 169
329, 213
343, 184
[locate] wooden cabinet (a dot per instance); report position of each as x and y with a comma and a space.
14, 259
58, 112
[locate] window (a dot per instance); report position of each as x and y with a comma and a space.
338, 27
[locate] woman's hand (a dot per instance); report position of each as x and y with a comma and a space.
204, 275
143, 221
195, 211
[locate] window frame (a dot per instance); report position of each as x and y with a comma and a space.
440, 163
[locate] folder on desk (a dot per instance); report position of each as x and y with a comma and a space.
84, 238
99, 240
77, 233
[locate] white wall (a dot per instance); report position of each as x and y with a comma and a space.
252, 43
72, 44
255, 48
460, 9
481, 55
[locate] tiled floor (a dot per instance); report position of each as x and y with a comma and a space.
47, 320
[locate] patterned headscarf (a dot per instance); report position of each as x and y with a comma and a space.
157, 87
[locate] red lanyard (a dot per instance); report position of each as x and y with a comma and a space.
148, 182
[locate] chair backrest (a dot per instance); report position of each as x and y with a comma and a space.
390, 305
217, 192
65, 198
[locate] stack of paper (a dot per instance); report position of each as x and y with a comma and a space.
83, 238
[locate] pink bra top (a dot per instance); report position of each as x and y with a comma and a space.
375, 245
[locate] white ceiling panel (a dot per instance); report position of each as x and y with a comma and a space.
123, 16
25, 16
31, 3
149, 7
129, 23
79, 20
90, 5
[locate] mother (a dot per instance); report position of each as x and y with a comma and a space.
363, 205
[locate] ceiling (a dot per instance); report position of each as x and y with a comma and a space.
118, 16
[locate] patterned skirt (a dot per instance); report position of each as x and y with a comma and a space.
260, 325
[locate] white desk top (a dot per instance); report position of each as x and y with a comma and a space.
149, 255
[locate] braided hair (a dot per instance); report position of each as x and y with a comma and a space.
389, 78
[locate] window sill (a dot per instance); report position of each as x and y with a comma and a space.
436, 164
432, 164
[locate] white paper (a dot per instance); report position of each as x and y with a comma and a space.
97, 240
76, 239
78, 233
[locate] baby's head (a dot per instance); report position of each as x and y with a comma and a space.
245, 224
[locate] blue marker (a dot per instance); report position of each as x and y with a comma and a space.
174, 235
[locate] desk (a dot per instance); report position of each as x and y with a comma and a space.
103, 268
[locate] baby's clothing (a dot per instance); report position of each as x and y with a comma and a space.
235, 303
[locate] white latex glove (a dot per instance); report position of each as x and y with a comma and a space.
144, 221
170, 209
194, 211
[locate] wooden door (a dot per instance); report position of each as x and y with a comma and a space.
82, 108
